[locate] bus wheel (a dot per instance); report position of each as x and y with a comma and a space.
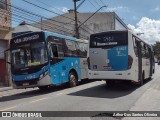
43, 88
72, 79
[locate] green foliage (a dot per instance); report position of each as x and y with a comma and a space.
156, 48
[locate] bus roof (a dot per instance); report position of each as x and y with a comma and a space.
109, 32
59, 35
53, 34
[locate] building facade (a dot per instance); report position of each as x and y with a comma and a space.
5, 36
99, 22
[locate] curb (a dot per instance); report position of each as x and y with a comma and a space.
5, 89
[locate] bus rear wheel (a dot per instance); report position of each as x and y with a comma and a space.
73, 80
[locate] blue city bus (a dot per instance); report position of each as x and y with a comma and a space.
42, 59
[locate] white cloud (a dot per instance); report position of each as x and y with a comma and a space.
155, 9
57, 9
150, 28
64, 9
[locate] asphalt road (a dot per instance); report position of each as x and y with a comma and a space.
88, 96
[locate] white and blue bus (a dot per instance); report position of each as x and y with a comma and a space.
41, 59
119, 55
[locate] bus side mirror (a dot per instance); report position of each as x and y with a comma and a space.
7, 56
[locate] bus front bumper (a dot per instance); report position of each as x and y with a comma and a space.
32, 83
113, 75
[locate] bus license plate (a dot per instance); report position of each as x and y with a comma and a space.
25, 84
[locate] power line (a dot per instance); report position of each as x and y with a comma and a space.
32, 20
80, 4
102, 2
46, 9
92, 4
49, 10
49, 5
35, 21
46, 25
97, 3
27, 14
92, 15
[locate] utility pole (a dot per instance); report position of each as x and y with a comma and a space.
41, 23
76, 23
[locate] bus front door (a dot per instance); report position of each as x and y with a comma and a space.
151, 61
57, 65
139, 47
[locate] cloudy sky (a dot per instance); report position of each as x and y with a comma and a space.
140, 15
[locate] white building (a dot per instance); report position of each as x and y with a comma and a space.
100, 22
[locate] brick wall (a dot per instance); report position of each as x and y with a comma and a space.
5, 22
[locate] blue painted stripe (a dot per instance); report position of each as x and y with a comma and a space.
58, 35
118, 58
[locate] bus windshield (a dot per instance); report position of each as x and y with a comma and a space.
108, 40
30, 54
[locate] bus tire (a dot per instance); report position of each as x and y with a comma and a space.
73, 80
43, 88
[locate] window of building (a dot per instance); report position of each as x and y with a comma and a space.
3, 4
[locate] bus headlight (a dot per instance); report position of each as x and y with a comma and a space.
41, 76
45, 73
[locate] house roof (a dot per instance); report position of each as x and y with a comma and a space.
24, 28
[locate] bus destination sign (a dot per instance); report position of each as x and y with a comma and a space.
26, 39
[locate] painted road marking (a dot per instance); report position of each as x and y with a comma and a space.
61, 93
8, 108
37, 100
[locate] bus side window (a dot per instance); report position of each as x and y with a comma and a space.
78, 49
60, 50
143, 50
82, 49
135, 45
54, 50
146, 51
85, 49
71, 48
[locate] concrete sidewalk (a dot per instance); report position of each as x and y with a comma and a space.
5, 88
150, 101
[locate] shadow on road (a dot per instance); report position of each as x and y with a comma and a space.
99, 91
37, 92
116, 90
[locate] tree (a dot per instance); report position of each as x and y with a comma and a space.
156, 48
